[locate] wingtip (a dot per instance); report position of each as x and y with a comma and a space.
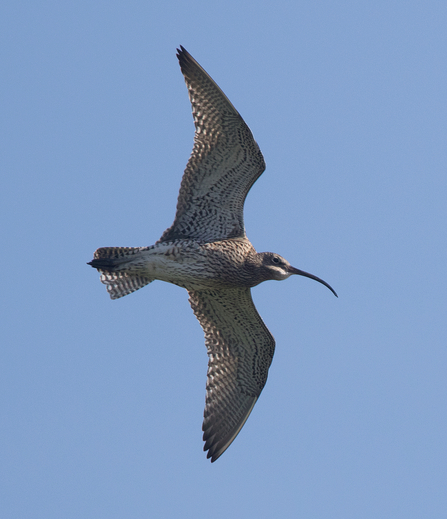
212, 455
182, 53
215, 443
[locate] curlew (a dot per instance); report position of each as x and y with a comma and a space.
207, 252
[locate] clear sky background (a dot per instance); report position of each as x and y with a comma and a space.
102, 401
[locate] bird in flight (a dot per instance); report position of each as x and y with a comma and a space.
207, 252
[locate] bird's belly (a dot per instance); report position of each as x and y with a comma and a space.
193, 266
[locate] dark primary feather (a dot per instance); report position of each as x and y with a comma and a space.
224, 164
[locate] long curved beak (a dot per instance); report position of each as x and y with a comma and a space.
299, 272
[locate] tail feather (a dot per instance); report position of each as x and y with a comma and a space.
111, 263
120, 284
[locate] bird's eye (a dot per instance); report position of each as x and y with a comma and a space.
275, 259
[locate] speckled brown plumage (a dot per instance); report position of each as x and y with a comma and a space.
224, 164
240, 350
207, 252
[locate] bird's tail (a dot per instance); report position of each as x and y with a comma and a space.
119, 270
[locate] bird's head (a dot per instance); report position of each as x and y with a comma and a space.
276, 267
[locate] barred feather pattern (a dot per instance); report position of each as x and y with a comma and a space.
118, 283
224, 164
240, 350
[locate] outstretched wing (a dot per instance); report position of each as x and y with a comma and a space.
224, 164
240, 350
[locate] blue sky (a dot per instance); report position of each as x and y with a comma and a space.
101, 401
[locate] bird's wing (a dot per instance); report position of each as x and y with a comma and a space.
240, 351
224, 164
